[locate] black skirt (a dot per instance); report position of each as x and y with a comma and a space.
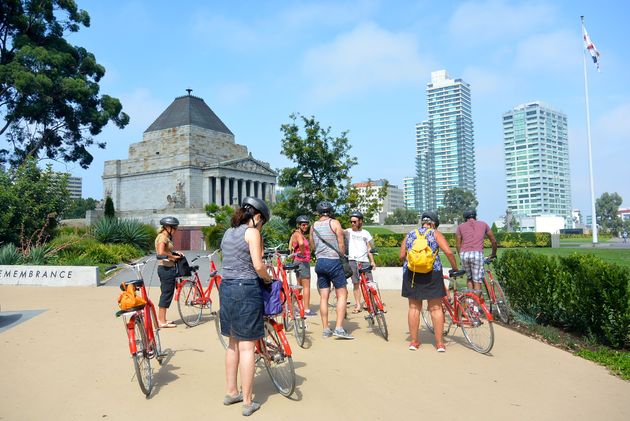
423, 286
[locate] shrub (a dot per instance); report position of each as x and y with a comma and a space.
105, 230
9, 255
132, 232
580, 293
40, 255
387, 257
109, 210
276, 233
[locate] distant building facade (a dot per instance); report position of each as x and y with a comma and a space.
187, 158
409, 192
386, 206
536, 146
75, 185
445, 154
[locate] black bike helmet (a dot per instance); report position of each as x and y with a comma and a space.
430, 217
169, 221
302, 219
257, 204
356, 214
325, 208
470, 213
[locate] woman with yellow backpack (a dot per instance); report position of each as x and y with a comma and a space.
422, 276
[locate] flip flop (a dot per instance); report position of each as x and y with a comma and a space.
168, 324
356, 310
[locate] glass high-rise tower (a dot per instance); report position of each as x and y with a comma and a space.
536, 143
445, 153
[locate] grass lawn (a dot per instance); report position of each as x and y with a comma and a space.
379, 230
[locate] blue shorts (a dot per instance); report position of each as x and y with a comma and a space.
241, 312
330, 271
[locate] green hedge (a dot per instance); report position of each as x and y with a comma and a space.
507, 240
580, 293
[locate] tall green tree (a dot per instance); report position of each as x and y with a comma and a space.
31, 202
402, 216
606, 207
321, 171
108, 208
49, 89
456, 201
78, 207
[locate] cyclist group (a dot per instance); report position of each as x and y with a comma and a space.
240, 293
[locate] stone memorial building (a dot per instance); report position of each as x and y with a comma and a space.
187, 159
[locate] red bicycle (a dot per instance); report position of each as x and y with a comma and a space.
274, 351
142, 329
497, 298
372, 299
191, 297
293, 310
465, 309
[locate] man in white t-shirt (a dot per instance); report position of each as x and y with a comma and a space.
360, 245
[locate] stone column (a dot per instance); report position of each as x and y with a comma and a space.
206, 191
243, 190
263, 190
218, 191
256, 185
248, 187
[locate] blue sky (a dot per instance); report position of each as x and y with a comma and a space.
363, 66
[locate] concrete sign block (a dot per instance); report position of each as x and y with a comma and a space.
59, 276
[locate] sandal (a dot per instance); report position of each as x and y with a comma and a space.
168, 324
356, 310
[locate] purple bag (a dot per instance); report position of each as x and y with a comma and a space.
271, 298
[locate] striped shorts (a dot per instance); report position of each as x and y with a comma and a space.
472, 261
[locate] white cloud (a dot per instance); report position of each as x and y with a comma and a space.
366, 58
477, 22
557, 52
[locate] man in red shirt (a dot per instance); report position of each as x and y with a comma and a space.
469, 243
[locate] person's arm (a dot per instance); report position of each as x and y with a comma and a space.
403, 249
311, 239
493, 241
254, 241
336, 227
443, 244
458, 241
161, 251
370, 245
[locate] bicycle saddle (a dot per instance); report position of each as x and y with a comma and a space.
366, 269
129, 310
135, 282
291, 266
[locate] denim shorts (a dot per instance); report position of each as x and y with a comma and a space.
241, 312
330, 271
304, 270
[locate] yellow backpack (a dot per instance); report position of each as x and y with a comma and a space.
420, 257
128, 298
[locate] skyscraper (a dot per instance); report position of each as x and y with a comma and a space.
445, 154
536, 142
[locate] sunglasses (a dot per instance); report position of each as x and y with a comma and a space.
304, 224
356, 221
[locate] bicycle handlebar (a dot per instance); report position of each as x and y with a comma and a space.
489, 260
456, 274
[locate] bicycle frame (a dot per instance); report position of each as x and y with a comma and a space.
214, 280
457, 295
365, 287
278, 327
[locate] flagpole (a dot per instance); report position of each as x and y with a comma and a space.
590, 155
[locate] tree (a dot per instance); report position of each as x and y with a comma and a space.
456, 201
31, 202
606, 208
402, 217
49, 89
109, 210
78, 207
323, 164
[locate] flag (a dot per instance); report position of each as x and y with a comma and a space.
588, 44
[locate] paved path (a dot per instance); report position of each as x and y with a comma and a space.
71, 362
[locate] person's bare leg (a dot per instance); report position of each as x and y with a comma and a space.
247, 366
161, 315
413, 318
231, 367
437, 316
323, 306
342, 296
356, 290
306, 292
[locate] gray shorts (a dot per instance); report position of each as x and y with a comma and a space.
472, 261
304, 270
355, 271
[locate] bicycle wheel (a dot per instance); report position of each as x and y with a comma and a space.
141, 361
478, 330
299, 325
426, 316
189, 303
379, 316
287, 319
278, 364
217, 324
502, 305
159, 355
